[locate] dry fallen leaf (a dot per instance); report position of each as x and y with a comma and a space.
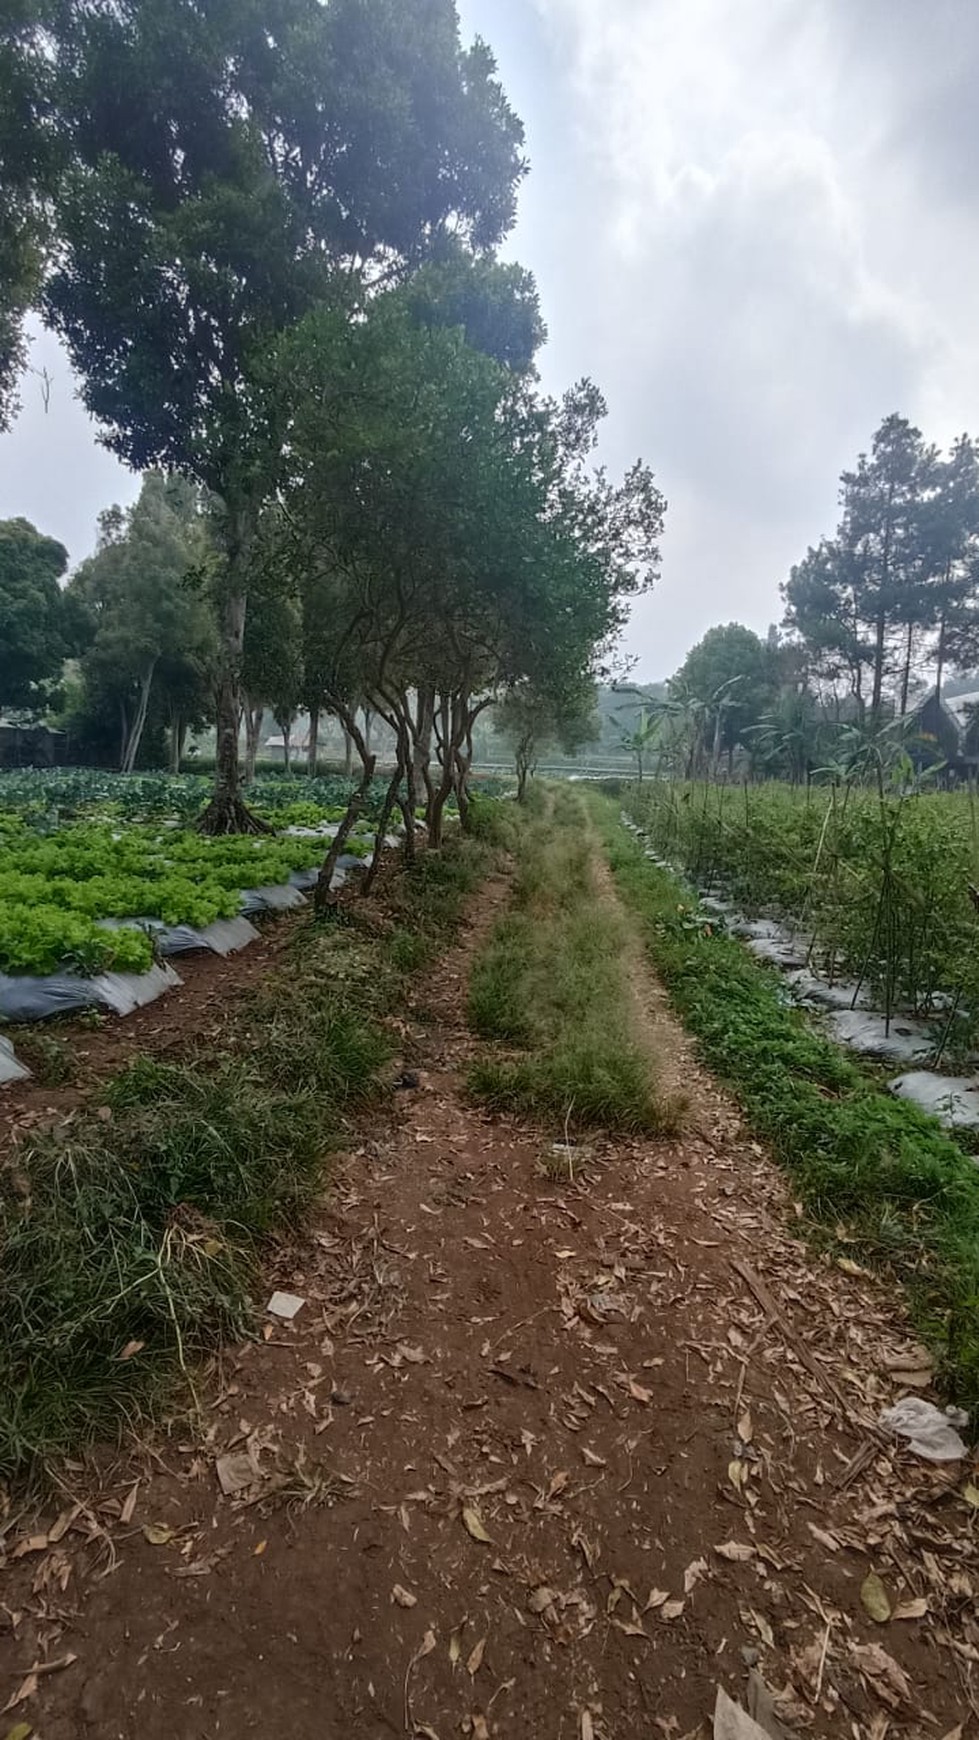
236, 1472
23, 1731
693, 1574
828, 1541
745, 1428
473, 1523
672, 1610
656, 1598
403, 1597
129, 1504
26, 1689
763, 1628
587, 1728
971, 1495
762, 1706
874, 1599
736, 1551
28, 1685
480, 1727
911, 1609
158, 1534
558, 1483
731, 1722
630, 1627
541, 1599
639, 1394
889, 1681
455, 1641
30, 1544
592, 1459
131, 1349
475, 1660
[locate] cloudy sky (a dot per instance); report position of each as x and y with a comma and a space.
753, 222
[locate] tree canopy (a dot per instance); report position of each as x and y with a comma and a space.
37, 631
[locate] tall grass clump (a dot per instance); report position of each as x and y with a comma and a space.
549, 992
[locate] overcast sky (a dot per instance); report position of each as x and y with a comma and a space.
753, 223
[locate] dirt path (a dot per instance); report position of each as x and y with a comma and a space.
538, 1460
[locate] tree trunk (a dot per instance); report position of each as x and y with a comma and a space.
177, 729
940, 668
226, 813
254, 716
287, 744
423, 726
314, 741
881, 623
906, 673
407, 806
135, 734
348, 755
323, 896
390, 799
368, 728
439, 794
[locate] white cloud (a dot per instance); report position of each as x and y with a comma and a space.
759, 233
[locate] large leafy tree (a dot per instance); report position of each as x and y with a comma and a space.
27, 163
532, 720
150, 624
459, 529
229, 166
37, 629
731, 675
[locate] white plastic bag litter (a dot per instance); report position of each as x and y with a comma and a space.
929, 1432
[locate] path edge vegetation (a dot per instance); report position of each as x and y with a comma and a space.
876, 1177
136, 1237
549, 993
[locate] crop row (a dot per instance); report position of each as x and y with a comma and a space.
879, 882
56, 888
148, 796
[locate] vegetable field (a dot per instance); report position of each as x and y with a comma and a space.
879, 884
82, 853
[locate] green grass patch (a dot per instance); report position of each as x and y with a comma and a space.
549, 992
899, 1186
134, 1237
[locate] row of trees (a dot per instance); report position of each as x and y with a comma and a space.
887, 604
895, 593
267, 236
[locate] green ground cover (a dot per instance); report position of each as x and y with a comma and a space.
878, 1178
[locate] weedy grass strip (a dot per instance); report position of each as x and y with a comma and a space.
549, 991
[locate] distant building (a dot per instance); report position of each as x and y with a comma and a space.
947, 729
31, 745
